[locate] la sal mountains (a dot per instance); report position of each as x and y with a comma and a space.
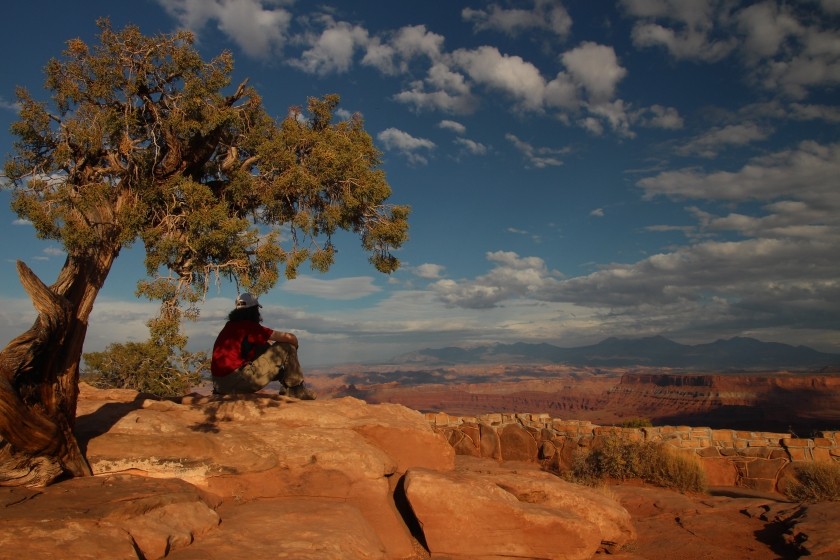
739, 353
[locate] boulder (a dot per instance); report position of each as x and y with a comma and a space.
484, 510
297, 528
517, 443
531, 485
264, 446
104, 517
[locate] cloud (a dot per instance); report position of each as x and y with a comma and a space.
830, 6
805, 112
658, 116
258, 29
455, 127
691, 34
355, 287
511, 75
594, 68
710, 143
536, 156
719, 286
443, 89
615, 114
393, 53
545, 15
512, 276
765, 27
54, 252
808, 173
788, 48
332, 51
328, 46
429, 271
416, 40
472, 147
783, 46
9, 105
394, 139
597, 213
742, 271
754, 285
21, 222
535, 237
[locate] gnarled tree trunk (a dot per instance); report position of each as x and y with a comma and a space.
39, 375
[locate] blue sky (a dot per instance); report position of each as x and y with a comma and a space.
577, 170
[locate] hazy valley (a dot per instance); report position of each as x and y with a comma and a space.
802, 395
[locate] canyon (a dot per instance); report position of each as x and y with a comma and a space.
798, 402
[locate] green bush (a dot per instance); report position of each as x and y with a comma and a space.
144, 367
160, 365
815, 482
654, 463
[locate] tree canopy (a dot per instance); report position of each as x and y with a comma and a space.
147, 145
144, 141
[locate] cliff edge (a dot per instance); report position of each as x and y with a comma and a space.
267, 476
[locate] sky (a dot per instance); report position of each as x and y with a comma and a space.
576, 170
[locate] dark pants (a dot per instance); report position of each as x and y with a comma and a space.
278, 362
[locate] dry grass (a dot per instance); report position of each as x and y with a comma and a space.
815, 482
654, 463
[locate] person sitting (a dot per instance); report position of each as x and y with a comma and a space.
247, 356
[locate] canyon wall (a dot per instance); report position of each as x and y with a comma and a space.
777, 402
784, 402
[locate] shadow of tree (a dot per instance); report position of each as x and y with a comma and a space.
216, 408
100, 421
773, 535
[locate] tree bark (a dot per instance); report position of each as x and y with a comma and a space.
39, 375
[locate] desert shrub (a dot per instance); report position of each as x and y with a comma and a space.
161, 365
815, 482
672, 469
654, 463
637, 423
144, 367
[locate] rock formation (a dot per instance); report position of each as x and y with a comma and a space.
266, 476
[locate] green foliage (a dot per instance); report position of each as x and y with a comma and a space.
159, 365
144, 366
654, 463
143, 142
815, 482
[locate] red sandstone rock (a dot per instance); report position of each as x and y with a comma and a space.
815, 530
531, 485
266, 446
672, 525
104, 517
318, 479
518, 444
462, 519
294, 528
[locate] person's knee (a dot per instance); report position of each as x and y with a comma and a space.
292, 372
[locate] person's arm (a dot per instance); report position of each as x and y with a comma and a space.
287, 337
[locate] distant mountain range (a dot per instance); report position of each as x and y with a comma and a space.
733, 354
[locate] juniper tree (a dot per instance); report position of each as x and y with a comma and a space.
144, 141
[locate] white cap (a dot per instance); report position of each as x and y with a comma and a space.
246, 300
